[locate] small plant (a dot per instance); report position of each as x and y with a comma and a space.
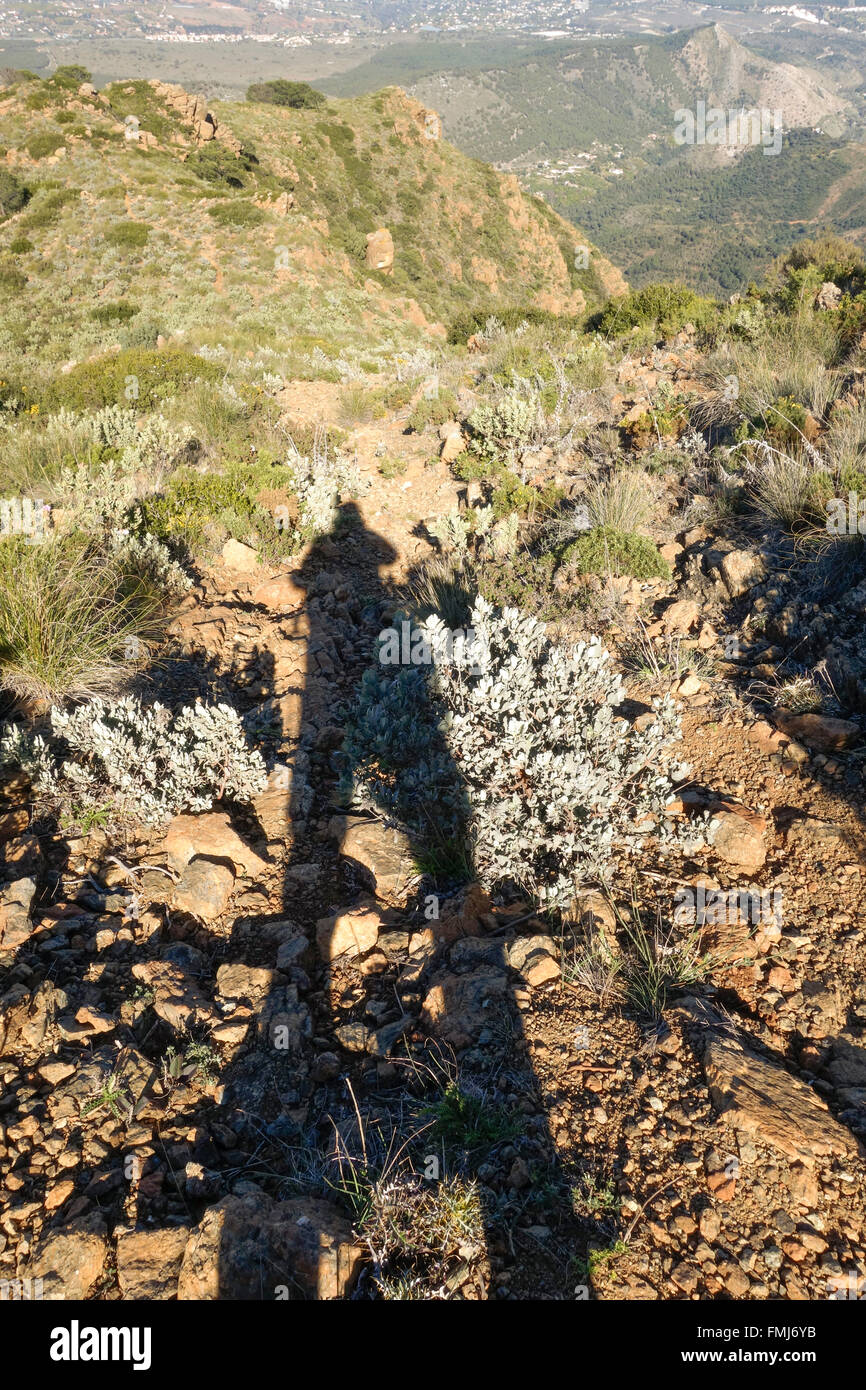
197, 1060
113, 1096
658, 959
393, 467
468, 1125
622, 502
592, 1196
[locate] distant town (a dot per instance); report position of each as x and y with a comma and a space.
281, 22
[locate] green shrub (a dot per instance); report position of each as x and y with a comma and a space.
215, 164
603, 551
667, 308
237, 214
11, 278
13, 195
20, 246
431, 412
128, 234
139, 333
471, 321
511, 495
139, 378
119, 311
70, 75
280, 92
45, 144
253, 502
65, 117
49, 208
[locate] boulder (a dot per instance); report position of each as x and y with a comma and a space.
253, 1248
819, 730
71, 1260
757, 1096
740, 571
453, 441
213, 837
15, 924
177, 1000
240, 557
204, 889
457, 1007
148, 1262
682, 616
352, 933
829, 296
382, 851
738, 840
380, 250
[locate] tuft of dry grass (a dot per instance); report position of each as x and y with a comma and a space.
71, 620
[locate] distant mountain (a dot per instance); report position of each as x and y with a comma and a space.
592, 125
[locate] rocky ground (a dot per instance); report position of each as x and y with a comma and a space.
217, 1037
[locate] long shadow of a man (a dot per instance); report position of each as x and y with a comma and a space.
413, 997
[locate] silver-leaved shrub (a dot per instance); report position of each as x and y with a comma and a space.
148, 762
559, 783
516, 742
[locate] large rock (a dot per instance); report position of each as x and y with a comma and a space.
25, 1018
738, 840
213, 837
819, 730
177, 1000
281, 594
148, 1262
453, 441
829, 296
384, 852
534, 957
15, 924
247, 984
253, 1248
240, 557
681, 616
380, 250
759, 1097
351, 933
741, 570
204, 889
71, 1260
457, 1007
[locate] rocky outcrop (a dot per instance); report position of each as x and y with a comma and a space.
380, 251
193, 110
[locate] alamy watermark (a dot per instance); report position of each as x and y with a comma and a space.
846, 516
410, 646
23, 517
733, 128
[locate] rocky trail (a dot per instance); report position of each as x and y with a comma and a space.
201, 1027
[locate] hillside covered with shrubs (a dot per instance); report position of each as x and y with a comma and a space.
402, 639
